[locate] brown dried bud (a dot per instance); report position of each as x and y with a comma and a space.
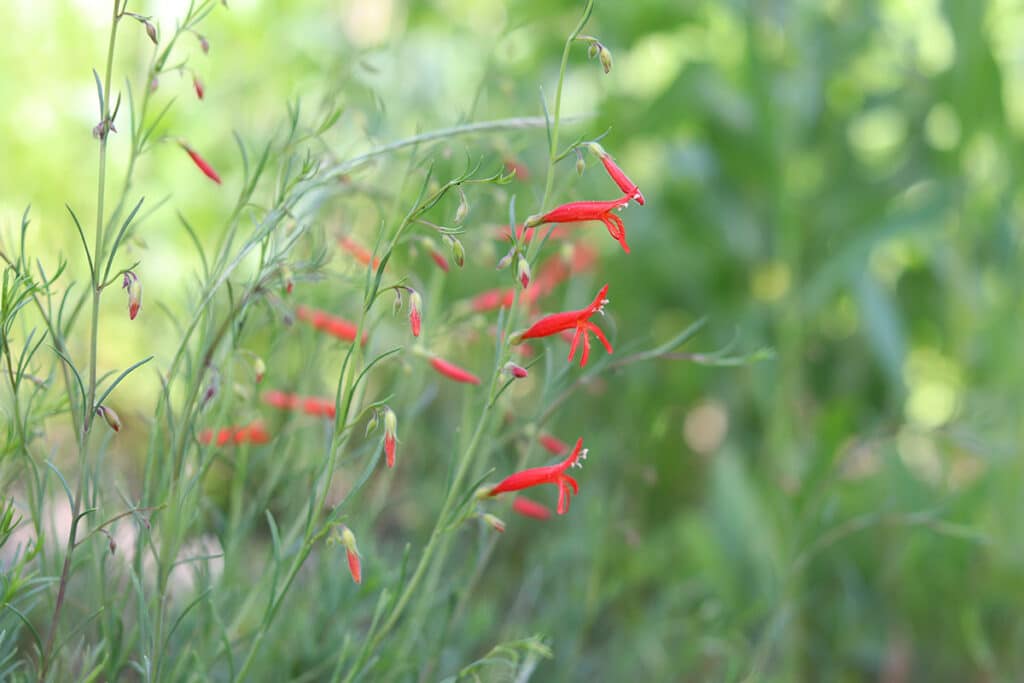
110, 417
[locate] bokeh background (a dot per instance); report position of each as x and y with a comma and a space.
835, 180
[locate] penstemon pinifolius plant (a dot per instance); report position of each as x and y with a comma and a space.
271, 464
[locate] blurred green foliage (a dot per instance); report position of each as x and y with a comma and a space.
834, 179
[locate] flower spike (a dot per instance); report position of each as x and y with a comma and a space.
549, 474
580, 320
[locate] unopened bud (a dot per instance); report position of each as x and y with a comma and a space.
533, 221
513, 370
506, 260
110, 417
494, 522
198, 85
112, 545
150, 28
605, 55
581, 165
593, 50
523, 272
286, 275
260, 368
463, 210
204, 44
390, 435
415, 306
348, 539
131, 282
458, 251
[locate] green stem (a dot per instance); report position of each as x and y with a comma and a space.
87, 418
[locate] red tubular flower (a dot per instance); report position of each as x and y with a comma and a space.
280, 399
552, 444
513, 166
198, 85
589, 211
362, 254
492, 299
453, 372
333, 325
254, 433
549, 474
439, 259
580, 320
617, 174
310, 405
201, 163
529, 508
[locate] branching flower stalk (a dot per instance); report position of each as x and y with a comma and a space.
374, 637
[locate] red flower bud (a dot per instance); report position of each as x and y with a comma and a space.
131, 282
348, 539
415, 305
333, 325
198, 85
201, 163
513, 370
390, 435
453, 372
529, 508
494, 522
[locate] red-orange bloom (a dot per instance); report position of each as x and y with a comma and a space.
492, 299
254, 432
331, 324
453, 372
362, 254
310, 405
549, 474
529, 508
201, 163
589, 211
580, 320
